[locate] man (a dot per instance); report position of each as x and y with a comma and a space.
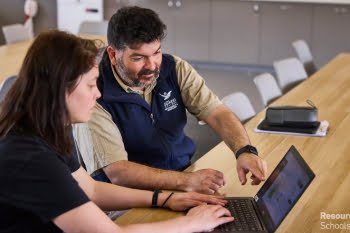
135, 136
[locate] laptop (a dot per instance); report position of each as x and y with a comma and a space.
274, 200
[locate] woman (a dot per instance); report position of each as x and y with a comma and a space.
43, 187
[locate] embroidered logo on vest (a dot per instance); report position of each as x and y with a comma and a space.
169, 104
166, 95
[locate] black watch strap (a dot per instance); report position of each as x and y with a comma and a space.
155, 198
247, 148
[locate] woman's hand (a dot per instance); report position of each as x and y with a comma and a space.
207, 217
184, 201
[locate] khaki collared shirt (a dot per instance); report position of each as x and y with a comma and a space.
100, 141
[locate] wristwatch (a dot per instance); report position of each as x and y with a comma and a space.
247, 148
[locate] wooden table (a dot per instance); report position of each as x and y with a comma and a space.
12, 55
11, 58
329, 157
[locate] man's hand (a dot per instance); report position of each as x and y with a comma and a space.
248, 162
204, 181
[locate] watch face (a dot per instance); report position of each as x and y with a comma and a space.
252, 149
247, 148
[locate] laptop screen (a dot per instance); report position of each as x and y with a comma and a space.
283, 188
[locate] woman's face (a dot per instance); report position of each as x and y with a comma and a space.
82, 100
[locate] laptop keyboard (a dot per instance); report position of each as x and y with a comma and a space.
245, 217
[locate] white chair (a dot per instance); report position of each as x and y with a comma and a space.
290, 72
267, 87
5, 86
93, 27
240, 104
304, 54
15, 32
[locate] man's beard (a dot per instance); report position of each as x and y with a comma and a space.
132, 79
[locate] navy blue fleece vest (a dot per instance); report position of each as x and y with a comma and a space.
152, 135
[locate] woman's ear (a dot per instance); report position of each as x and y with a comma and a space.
112, 55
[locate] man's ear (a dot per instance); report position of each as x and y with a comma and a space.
112, 55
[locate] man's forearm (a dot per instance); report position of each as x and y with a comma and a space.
228, 126
134, 175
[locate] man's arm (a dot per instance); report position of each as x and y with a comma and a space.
113, 197
205, 105
101, 146
130, 174
231, 130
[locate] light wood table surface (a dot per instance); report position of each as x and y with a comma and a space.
12, 55
329, 157
11, 58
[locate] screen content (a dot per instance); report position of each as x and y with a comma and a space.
284, 187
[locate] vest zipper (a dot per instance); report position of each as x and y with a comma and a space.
152, 118
165, 145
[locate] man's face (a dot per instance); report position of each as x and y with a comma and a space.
138, 67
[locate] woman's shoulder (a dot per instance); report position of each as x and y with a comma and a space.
25, 154
27, 148
15, 141
27, 151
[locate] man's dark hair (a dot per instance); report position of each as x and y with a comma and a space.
36, 102
132, 26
